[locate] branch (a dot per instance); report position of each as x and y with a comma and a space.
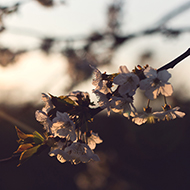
173, 63
13, 157
175, 12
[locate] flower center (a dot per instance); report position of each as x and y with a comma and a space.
130, 79
67, 125
156, 81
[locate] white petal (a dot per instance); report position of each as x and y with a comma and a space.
123, 69
149, 72
95, 157
180, 114
139, 121
91, 144
40, 116
60, 158
152, 93
96, 138
120, 79
145, 84
166, 90
164, 76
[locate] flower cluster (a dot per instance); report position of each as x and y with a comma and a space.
120, 100
66, 119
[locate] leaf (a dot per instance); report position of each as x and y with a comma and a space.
66, 99
63, 99
38, 139
64, 104
23, 137
23, 147
27, 154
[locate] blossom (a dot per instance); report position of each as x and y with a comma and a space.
63, 126
156, 83
80, 98
99, 81
43, 118
170, 113
48, 104
92, 139
147, 116
80, 152
58, 151
104, 100
121, 105
128, 81
42, 115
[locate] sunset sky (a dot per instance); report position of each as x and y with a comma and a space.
35, 73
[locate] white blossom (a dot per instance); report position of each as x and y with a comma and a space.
92, 140
76, 94
81, 152
99, 82
63, 126
58, 151
121, 105
170, 114
104, 100
146, 117
156, 83
42, 115
48, 104
128, 81
43, 118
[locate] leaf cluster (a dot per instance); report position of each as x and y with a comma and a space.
30, 144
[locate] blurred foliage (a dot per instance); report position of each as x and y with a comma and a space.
97, 48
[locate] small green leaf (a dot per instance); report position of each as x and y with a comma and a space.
38, 139
66, 99
27, 154
63, 103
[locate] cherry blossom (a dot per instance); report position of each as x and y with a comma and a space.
145, 117
63, 126
122, 105
170, 113
48, 104
128, 81
156, 83
92, 139
58, 151
43, 118
104, 100
81, 152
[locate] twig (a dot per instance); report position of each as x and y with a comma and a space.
13, 157
173, 63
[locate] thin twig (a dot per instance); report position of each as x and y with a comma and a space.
173, 63
13, 157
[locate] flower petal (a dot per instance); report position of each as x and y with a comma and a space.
166, 90
123, 69
164, 75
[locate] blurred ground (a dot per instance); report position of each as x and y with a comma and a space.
150, 157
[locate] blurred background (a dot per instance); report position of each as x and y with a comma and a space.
48, 45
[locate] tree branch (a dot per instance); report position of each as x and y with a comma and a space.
173, 63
